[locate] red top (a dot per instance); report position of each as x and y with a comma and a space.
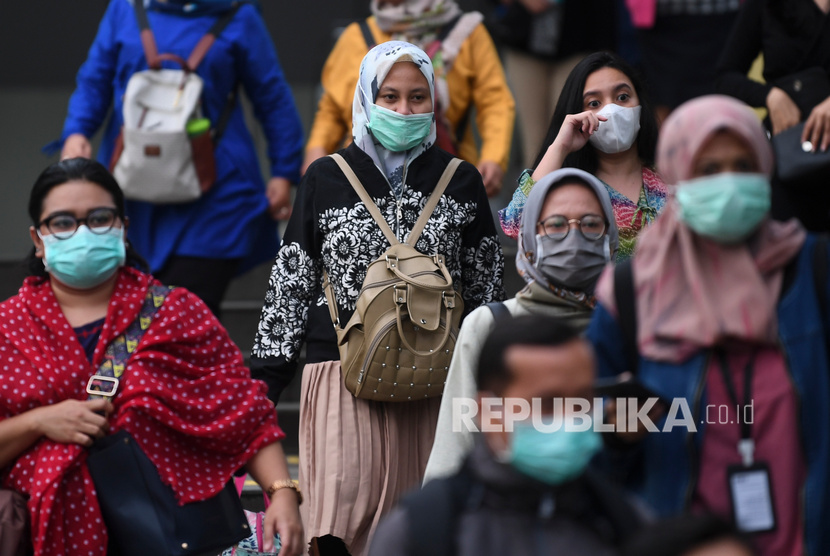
777, 443
185, 396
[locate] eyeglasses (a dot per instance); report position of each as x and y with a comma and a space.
556, 226
64, 226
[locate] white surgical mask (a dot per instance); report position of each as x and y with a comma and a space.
619, 131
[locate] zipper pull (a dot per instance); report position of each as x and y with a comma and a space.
400, 211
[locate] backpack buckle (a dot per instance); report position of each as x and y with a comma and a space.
99, 385
391, 261
449, 300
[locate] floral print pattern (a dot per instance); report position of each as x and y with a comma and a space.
351, 240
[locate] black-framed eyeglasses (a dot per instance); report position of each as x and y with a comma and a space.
557, 226
64, 226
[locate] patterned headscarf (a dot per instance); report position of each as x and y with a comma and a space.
693, 292
373, 70
414, 17
532, 212
419, 22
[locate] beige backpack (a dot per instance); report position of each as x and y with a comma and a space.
399, 342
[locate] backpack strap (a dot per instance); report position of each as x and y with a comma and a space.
499, 310
627, 311
432, 48
429, 208
364, 196
148, 40
204, 44
433, 514
367, 34
225, 116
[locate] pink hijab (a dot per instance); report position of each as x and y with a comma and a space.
693, 292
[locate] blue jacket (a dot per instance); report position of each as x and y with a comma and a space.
231, 220
667, 463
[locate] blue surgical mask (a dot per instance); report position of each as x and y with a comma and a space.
399, 132
551, 457
725, 207
86, 259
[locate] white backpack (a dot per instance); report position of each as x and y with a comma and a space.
164, 153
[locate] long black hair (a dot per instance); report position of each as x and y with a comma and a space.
570, 102
76, 169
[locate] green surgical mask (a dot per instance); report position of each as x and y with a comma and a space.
86, 259
399, 132
552, 457
725, 207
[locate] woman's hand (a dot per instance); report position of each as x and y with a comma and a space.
817, 127
279, 198
74, 421
283, 517
492, 176
572, 136
76, 145
783, 112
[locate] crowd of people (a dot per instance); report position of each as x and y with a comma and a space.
676, 287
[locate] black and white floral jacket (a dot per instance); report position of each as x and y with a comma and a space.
330, 229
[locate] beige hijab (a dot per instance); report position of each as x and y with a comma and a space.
693, 292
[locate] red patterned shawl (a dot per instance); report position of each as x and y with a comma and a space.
185, 396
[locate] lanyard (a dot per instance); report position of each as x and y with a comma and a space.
746, 446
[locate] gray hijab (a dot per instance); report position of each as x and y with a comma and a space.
525, 262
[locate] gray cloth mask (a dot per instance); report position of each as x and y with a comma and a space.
574, 262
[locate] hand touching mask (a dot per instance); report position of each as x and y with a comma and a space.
619, 131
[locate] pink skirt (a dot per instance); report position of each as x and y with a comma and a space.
357, 457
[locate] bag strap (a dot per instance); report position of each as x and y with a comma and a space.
432, 202
367, 200
225, 116
204, 44
432, 48
627, 311
367, 34
499, 310
148, 40
121, 348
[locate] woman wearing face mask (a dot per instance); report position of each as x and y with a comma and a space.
731, 319
356, 456
468, 77
87, 287
568, 236
605, 125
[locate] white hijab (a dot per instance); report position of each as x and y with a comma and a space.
373, 70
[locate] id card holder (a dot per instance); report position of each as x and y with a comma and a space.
750, 490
